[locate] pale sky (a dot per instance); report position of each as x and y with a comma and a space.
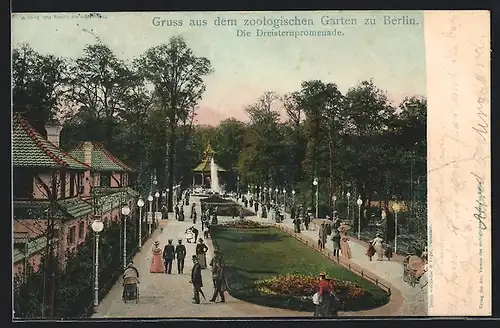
246, 67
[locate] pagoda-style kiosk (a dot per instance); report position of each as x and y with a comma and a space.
207, 173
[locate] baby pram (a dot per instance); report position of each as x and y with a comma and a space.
130, 289
414, 269
189, 237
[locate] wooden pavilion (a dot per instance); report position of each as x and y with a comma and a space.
202, 172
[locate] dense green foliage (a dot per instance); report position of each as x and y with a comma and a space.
252, 255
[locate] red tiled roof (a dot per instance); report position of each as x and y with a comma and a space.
31, 149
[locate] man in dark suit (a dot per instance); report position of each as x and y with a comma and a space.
217, 264
180, 252
196, 280
169, 256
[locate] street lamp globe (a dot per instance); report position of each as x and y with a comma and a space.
155, 182
140, 202
293, 192
157, 194
359, 201
150, 198
97, 225
348, 194
315, 181
168, 189
284, 191
125, 210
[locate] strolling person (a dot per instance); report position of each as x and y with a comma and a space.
180, 254
168, 256
176, 210
206, 232
205, 217
326, 306
201, 253
296, 224
377, 245
324, 234
217, 264
181, 213
196, 280
320, 236
307, 220
388, 252
194, 215
157, 263
336, 243
345, 248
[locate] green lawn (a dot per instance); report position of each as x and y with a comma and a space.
255, 254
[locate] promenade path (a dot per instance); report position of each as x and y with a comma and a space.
414, 298
170, 296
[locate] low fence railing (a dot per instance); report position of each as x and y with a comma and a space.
360, 272
105, 288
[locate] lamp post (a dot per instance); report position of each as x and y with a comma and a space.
334, 198
157, 196
284, 200
140, 204
293, 196
166, 199
396, 209
264, 195
150, 221
359, 202
237, 186
164, 195
348, 205
315, 183
125, 212
97, 227
276, 195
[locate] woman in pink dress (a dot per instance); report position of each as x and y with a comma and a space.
157, 265
345, 249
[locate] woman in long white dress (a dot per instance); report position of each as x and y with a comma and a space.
377, 244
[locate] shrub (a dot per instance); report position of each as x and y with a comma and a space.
242, 224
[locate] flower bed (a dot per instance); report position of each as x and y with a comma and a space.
242, 224
268, 267
304, 286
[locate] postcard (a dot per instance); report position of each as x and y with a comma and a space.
251, 164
